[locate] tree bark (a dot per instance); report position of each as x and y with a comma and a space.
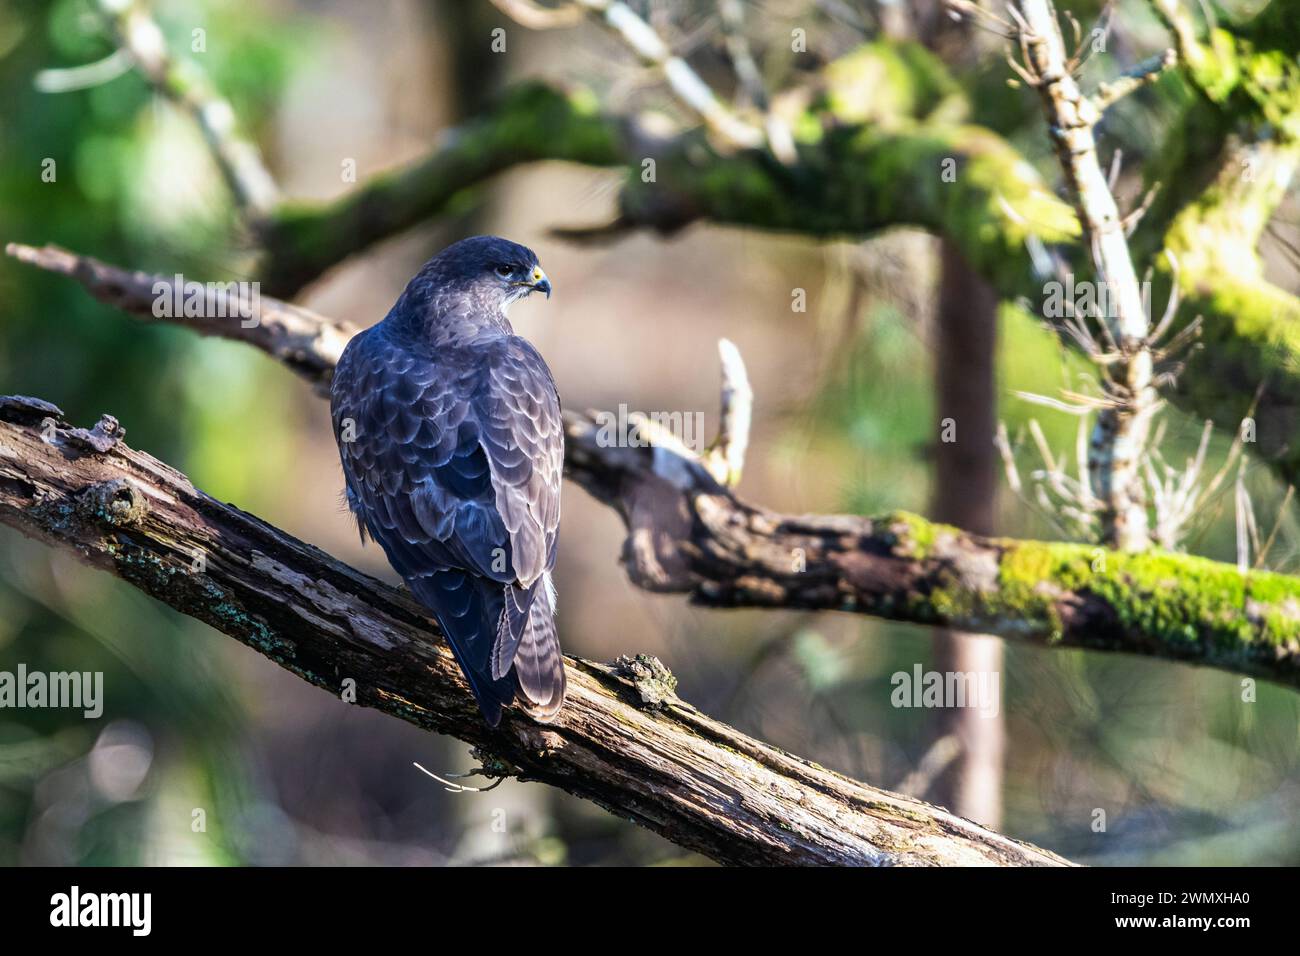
623, 740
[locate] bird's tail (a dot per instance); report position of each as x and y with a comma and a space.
539, 662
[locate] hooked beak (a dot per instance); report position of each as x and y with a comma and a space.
540, 283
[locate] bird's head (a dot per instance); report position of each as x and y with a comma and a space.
493, 271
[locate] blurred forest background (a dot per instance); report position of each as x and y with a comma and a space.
845, 420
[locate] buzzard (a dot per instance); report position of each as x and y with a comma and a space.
449, 429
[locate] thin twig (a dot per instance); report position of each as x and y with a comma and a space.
1277, 524
452, 787
654, 51
1143, 74
779, 137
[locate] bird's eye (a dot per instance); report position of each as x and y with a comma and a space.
503, 271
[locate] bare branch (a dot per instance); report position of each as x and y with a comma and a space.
305, 342
239, 159
1179, 20
1119, 439
779, 137
682, 79
1143, 74
1262, 554
725, 458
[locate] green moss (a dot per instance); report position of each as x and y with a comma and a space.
1167, 604
912, 536
1250, 328
1030, 577
199, 596
1188, 605
1217, 70
961, 181
885, 81
532, 121
1253, 73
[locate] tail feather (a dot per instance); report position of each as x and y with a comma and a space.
539, 662
515, 616
464, 610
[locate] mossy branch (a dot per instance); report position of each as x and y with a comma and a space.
689, 535
880, 143
533, 122
851, 181
1227, 165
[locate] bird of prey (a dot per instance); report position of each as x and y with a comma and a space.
449, 428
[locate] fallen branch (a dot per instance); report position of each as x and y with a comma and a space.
688, 534
697, 782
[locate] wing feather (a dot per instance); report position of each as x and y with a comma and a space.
454, 468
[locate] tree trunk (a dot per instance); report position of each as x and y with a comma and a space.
966, 475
